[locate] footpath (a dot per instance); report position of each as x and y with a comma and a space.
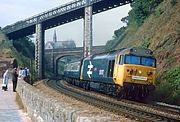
9, 109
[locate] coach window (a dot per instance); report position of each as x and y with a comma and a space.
121, 61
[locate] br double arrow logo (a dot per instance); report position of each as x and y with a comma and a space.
89, 72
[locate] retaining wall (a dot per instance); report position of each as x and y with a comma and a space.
41, 108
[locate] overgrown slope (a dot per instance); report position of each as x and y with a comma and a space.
7, 51
160, 32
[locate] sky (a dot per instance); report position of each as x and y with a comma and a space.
104, 23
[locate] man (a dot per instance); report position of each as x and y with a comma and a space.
14, 78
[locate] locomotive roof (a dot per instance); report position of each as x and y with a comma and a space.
109, 55
123, 51
137, 51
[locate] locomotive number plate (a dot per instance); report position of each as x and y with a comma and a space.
139, 78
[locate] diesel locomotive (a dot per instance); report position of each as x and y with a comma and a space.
126, 73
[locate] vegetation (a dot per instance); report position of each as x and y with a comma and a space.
145, 44
173, 2
169, 91
5, 47
22, 50
25, 46
141, 9
25, 55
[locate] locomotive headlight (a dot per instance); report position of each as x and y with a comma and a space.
140, 71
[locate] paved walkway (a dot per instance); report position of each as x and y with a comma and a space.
9, 110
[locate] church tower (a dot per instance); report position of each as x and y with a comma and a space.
54, 37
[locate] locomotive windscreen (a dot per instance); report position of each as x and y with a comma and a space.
140, 60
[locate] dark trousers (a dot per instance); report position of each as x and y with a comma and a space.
14, 85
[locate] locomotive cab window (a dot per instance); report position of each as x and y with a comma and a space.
146, 61
131, 59
140, 60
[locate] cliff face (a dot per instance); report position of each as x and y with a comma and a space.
160, 33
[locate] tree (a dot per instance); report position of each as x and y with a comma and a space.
119, 32
125, 20
25, 46
141, 9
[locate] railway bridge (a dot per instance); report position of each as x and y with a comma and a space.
56, 54
66, 13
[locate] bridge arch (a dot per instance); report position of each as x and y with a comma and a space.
58, 59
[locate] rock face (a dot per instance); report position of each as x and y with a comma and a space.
43, 108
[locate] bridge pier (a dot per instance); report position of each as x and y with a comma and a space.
39, 51
87, 41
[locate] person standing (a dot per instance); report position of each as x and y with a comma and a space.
20, 74
5, 80
14, 78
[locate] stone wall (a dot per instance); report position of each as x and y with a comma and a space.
41, 108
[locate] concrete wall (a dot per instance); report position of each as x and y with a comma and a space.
41, 108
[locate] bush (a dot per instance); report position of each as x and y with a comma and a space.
173, 77
173, 2
169, 91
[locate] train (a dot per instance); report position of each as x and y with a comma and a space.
125, 73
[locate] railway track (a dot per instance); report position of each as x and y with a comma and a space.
132, 110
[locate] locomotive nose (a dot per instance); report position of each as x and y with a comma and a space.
139, 74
